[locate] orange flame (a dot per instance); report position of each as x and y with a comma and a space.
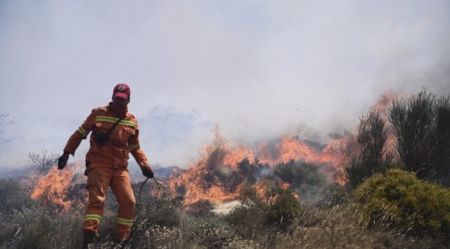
382, 108
292, 148
237, 155
384, 102
220, 159
53, 187
200, 182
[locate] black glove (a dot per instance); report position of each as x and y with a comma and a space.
62, 160
147, 171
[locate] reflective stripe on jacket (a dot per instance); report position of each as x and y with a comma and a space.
123, 139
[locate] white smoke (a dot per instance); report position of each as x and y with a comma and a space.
258, 68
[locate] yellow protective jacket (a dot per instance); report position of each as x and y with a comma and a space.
123, 139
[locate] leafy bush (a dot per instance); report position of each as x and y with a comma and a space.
398, 196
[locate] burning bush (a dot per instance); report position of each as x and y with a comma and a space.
403, 200
224, 170
52, 189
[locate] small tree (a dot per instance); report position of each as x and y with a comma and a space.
422, 123
371, 139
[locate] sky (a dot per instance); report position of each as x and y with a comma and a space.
258, 69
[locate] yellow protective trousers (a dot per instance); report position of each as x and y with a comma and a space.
100, 177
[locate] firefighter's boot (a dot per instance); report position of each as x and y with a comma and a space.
88, 240
121, 244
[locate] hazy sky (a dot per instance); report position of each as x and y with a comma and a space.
258, 68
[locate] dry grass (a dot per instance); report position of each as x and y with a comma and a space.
164, 224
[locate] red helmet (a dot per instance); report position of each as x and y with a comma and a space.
122, 90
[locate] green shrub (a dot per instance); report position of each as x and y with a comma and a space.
404, 200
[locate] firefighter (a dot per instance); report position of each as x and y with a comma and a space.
115, 133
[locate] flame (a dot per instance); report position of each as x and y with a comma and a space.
382, 108
383, 104
218, 175
293, 148
237, 155
53, 187
262, 188
193, 180
210, 177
